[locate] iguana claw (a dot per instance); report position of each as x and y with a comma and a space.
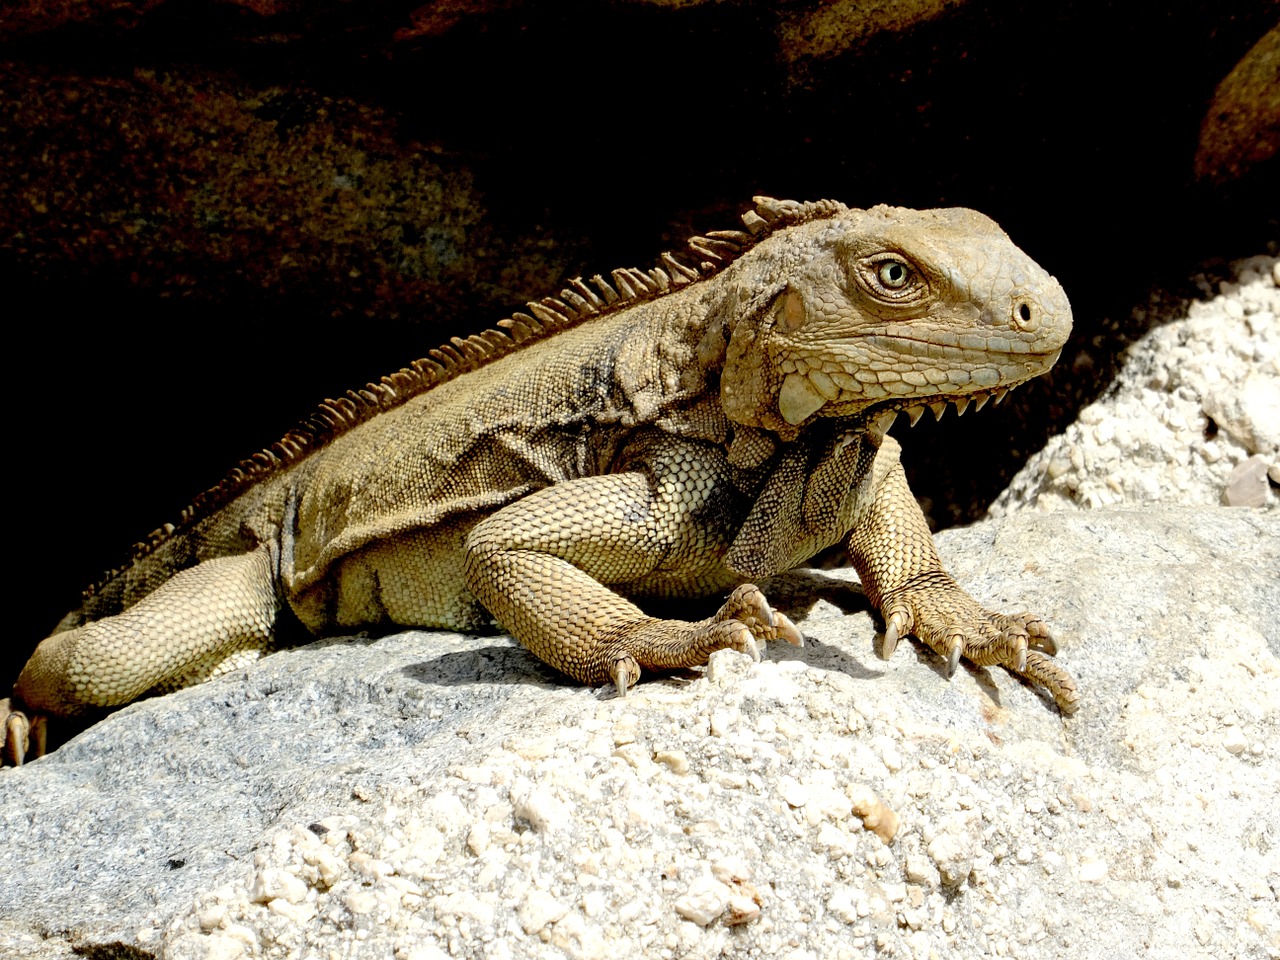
625, 672
898, 625
953, 656
748, 605
24, 737
787, 630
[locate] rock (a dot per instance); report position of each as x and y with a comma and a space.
274, 883
540, 909
1247, 485
704, 901
1241, 128
336, 792
876, 816
953, 856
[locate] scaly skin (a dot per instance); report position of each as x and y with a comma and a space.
720, 422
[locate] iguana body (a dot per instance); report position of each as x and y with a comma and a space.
676, 433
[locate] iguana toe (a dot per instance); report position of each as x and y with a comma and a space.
734, 635
1061, 685
626, 673
1038, 635
746, 603
955, 626
24, 737
748, 606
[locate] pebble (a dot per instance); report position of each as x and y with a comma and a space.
1234, 741
274, 883
704, 901
540, 909
1092, 868
953, 858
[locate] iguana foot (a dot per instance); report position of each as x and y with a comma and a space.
954, 625
24, 737
742, 623
748, 607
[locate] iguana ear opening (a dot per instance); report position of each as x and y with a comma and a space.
751, 383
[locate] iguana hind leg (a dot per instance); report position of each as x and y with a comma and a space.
201, 622
893, 551
541, 564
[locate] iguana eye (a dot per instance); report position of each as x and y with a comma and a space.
890, 278
893, 274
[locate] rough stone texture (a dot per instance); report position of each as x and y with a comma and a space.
197, 183
429, 795
1241, 128
1193, 417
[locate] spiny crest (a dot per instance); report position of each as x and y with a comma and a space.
581, 300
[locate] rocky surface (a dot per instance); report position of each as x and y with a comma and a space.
427, 795
1241, 128
1193, 417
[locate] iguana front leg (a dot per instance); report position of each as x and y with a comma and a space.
204, 621
541, 564
893, 551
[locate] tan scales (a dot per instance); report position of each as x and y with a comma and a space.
675, 432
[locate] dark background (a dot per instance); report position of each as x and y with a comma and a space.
212, 215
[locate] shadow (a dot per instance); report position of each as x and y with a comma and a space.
794, 593
498, 665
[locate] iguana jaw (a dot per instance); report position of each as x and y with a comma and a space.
909, 376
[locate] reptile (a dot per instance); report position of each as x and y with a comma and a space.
680, 431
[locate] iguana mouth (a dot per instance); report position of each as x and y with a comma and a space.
881, 415
966, 347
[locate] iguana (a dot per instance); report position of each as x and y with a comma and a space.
674, 432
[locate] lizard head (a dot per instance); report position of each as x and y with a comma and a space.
890, 309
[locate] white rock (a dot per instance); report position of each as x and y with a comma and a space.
1234, 741
793, 792
465, 905
919, 869
213, 947
295, 913
540, 809
676, 760
275, 882
539, 909
953, 856
360, 901
704, 901
841, 905
1092, 867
